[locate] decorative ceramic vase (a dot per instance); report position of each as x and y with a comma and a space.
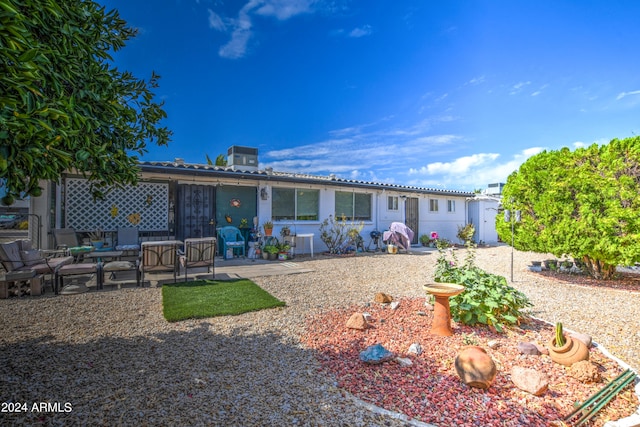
571, 352
265, 255
282, 256
475, 367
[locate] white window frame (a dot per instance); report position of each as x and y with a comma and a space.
393, 203
353, 206
296, 214
451, 206
433, 205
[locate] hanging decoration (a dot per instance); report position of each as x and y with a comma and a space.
134, 218
113, 211
228, 218
235, 203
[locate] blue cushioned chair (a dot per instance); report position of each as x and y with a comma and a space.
232, 239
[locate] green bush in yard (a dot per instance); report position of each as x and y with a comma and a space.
487, 299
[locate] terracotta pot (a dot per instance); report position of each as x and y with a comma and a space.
268, 231
475, 367
571, 352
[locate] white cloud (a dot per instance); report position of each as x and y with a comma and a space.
476, 81
285, 9
625, 94
518, 87
365, 30
241, 28
216, 22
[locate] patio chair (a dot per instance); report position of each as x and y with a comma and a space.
159, 256
128, 239
19, 255
199, 252
231, 239
66, 239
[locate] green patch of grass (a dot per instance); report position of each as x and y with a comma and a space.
207, 298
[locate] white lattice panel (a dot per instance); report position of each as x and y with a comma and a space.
144, 206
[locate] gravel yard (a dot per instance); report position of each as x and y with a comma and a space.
114, 360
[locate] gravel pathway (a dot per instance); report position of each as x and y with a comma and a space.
109, 358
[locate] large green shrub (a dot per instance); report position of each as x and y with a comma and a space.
584, 204
487, 299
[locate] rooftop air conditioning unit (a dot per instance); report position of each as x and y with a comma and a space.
242, 158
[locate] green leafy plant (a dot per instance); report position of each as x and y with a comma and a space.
340, 236
270, 249
424, 240
283, 247
465, 233
487, 299
64, 104
584, 204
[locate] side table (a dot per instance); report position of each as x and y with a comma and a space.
35, 281
306, 236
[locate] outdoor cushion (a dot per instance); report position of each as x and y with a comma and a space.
10, 256
31, 257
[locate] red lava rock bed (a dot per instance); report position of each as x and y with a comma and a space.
431, 391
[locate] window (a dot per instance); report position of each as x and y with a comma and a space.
451, 205
354, 206
392, 203
295, 204
433, 205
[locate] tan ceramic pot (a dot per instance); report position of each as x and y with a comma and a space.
571, 352
475, 367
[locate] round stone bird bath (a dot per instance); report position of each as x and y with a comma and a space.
441, 312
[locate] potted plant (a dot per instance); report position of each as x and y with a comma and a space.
285, 231
270, 252
97, 238
283, 251
268, 228
424, 240
566, 350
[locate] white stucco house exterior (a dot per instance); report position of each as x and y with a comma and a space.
176, 200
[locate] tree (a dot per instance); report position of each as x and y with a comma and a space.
63, 105
221, 160
584, 204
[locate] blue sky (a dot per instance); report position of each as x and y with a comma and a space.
439, 94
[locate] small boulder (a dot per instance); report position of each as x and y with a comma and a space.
367, 317
415, 348
585, 371
529, 380
375, 354
403, 361
357, 321
383, 298
528, 348
394, 305
585, 338
493, 344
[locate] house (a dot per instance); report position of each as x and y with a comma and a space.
180, 200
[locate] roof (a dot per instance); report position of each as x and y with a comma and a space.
181, 168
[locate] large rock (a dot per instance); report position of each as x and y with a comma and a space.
383, 298
529, 380
357, 321
585, 371
375, 354
528, 348
585, 338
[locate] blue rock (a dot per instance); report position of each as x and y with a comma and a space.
375, 354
